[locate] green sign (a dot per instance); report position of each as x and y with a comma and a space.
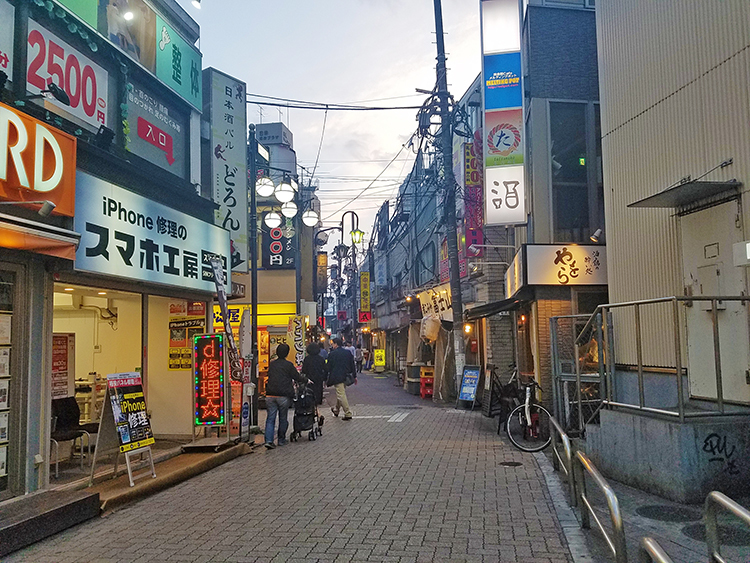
84, 9
178, 64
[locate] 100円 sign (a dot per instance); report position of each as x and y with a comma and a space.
209, 377
129, 409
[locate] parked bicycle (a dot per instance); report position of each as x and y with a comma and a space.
528, 424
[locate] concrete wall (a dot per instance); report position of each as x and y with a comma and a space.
681, 462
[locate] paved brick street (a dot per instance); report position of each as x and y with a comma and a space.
423, 486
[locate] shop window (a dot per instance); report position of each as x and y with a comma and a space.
96, 332
569, 163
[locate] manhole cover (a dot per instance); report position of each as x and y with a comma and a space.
511, 463
665, 513
728, 535
409, 407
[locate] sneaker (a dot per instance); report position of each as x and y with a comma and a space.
335, 412
347, 418
270, 445
283, 442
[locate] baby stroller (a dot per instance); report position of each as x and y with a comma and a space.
306, 418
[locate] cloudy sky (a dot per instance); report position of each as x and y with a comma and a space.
373, 52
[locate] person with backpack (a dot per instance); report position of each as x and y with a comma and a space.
340, 368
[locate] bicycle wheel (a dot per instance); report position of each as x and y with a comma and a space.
529, 436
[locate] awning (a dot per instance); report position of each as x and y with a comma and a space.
493, 308
687, 193
23, 234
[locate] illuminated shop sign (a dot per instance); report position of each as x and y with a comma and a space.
127, 235
209, 377
39, 163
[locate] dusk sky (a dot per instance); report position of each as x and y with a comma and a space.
373, 52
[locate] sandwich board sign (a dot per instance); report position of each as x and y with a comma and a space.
469, 383
124, 426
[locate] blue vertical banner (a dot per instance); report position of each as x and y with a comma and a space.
503, 117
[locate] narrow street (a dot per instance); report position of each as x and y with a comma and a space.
405, 481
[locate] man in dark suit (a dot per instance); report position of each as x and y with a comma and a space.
340, 364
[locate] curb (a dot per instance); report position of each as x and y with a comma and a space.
151, 486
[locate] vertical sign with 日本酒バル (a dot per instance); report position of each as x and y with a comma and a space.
503, 127
157, 131
225, 104
469, 383
128, 402
209, 378
178, 64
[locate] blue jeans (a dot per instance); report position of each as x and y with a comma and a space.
278, 405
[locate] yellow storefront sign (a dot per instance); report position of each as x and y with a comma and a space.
379, 355
269, 314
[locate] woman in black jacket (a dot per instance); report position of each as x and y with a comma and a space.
314, 367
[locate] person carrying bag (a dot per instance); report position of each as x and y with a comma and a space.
341, 373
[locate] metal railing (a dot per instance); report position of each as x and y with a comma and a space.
602, 322
577, 395
566, 463
651, 552
714, 501
616, 542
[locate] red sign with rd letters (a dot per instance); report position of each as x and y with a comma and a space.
37, 161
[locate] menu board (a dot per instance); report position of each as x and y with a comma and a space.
469, 383
63, 354
129, 410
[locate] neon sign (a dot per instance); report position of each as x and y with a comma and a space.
208, 372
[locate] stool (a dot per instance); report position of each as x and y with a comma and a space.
425, 386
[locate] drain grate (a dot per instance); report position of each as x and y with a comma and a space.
664, 513
511, 463
408, 407
728, 535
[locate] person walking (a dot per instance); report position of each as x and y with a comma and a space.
279, 394
358, 358
351, 349
366, 356
314, 368
340, 364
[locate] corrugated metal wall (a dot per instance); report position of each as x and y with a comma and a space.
672, 106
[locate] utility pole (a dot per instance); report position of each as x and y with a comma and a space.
446, 129
253, 149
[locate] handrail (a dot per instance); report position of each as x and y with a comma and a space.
651, 552
617, 542
567, 463
678, 298
715, 500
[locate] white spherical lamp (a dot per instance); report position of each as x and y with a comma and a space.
264, 187
272, 220
284, 192
310, 218
289, 209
